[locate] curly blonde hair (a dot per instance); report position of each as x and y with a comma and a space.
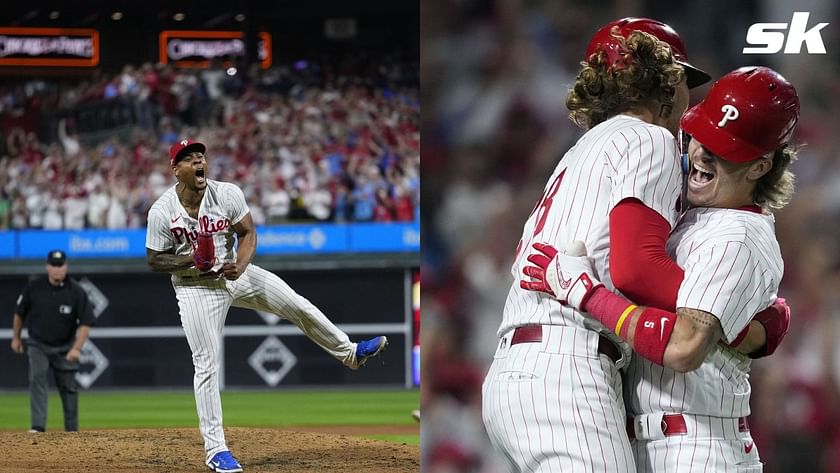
774, 190
601, 90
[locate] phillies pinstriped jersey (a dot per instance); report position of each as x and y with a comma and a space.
204, 301
733, 267
621, 158
170, 227
544, 410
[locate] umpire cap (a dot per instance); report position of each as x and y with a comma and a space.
747, 114
603, 40
182, 148
56, 258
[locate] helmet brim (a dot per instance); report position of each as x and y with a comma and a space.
694, 77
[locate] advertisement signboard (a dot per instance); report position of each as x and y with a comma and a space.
69, 47
198, 48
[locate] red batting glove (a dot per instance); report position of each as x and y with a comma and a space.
568, 276
776, 321
541, 259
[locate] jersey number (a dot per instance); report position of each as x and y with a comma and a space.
544, 204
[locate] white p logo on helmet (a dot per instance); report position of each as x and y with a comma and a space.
729, 113
184, 142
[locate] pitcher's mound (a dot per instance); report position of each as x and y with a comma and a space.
182, 450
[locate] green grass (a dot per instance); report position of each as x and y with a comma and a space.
107, 410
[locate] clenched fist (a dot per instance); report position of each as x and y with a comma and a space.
232, 271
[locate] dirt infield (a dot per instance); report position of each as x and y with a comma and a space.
181, 450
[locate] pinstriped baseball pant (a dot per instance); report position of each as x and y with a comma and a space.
556, 406
204, 306
711, 445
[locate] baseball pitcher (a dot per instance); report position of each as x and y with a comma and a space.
552, 399
191, 232
688, 391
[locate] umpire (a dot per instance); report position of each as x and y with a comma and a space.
58, 317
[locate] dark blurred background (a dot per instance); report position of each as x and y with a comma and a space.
297, 26
494, 76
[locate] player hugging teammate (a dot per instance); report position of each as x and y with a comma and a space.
705, 280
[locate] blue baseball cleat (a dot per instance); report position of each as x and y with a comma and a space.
369, 348
223, 462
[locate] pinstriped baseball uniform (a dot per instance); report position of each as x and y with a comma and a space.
204, 301
733, 267
557, 405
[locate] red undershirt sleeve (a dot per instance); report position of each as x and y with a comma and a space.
639, 263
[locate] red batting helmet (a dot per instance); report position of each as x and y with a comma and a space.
747, 114
603, 40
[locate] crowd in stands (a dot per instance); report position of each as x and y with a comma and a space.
333, 140
494, 82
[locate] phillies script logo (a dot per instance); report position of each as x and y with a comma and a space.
209, 226
181, 234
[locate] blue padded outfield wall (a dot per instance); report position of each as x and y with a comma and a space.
8, 245
271, 240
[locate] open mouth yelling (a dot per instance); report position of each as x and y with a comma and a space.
700, 176
199, 176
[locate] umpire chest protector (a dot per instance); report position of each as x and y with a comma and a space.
53, 313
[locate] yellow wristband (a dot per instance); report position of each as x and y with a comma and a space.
621, 319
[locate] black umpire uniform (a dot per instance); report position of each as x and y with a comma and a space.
58, 316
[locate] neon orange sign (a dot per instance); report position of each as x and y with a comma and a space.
69, 47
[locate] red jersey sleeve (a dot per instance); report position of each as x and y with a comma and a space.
639, 263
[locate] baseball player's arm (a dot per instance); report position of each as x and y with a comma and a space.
167, 262
642, 270
693, 336
17, 326
639, 263
678, 340
765, 331
645, 178
246, 235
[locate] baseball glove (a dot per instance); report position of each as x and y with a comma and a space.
204, 253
